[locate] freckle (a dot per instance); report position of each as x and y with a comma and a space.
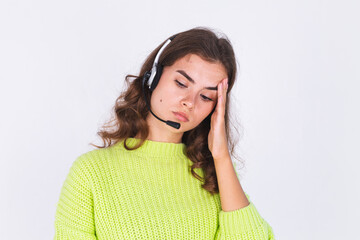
160, 100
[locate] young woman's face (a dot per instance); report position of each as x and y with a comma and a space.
188, 87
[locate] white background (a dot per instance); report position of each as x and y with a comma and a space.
63, 63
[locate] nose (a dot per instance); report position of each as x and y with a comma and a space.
188, 102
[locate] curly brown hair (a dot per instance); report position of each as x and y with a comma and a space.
131, 111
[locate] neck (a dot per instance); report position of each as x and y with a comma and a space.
159, 138
161, 132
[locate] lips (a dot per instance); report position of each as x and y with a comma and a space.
181, 116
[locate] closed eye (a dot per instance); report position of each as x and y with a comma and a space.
206, 98
184, 86
180, 84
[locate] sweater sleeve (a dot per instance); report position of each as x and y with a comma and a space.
244, 223
74, 218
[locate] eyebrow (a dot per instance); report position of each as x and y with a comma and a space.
182, 72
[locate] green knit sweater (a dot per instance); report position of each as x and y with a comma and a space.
147, 193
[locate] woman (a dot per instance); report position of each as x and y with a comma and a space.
165, 170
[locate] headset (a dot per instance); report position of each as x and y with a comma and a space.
151, 79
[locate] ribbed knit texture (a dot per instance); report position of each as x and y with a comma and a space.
148, 193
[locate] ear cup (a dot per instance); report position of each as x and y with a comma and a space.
145, 79
157, 76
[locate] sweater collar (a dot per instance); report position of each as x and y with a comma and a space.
153, 148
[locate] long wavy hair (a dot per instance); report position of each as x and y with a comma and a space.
130, 110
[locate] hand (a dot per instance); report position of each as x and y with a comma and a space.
217, 138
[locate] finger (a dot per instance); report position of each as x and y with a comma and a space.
223, 94
222, 98
225, 88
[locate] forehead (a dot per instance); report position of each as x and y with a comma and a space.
200, 70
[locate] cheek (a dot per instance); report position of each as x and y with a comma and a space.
167, 88
205, 110
163, 96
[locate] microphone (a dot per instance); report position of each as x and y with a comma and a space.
168, 122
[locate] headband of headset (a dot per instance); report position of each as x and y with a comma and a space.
155, 73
